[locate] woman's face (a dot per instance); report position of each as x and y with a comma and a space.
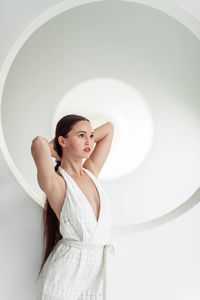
80, 137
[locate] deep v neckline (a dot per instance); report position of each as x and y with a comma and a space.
88, 203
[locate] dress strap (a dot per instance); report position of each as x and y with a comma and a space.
66, 176
91, 174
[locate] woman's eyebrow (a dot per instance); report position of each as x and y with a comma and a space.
83, 131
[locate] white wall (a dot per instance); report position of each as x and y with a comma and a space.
161, 263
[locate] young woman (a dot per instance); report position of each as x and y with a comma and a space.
77, 212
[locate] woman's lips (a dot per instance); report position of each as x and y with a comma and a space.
87, 149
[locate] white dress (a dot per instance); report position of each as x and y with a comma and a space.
76, 267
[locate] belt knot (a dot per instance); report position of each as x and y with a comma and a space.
110, 248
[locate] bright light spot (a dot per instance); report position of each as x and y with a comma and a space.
107, 99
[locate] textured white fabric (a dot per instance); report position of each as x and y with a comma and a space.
76, 268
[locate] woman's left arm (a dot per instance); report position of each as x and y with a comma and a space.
103, 136
103, 130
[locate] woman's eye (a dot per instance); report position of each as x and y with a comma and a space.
92, 135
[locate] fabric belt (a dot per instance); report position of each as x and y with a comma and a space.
106, 248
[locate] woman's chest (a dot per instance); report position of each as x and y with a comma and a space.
90, 193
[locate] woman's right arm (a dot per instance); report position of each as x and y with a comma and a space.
42, 151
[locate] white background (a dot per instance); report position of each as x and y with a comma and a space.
161, 263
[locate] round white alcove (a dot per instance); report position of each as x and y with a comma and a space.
75, 47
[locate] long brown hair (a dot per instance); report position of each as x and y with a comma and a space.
51, 224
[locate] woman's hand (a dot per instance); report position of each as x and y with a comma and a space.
53, 152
